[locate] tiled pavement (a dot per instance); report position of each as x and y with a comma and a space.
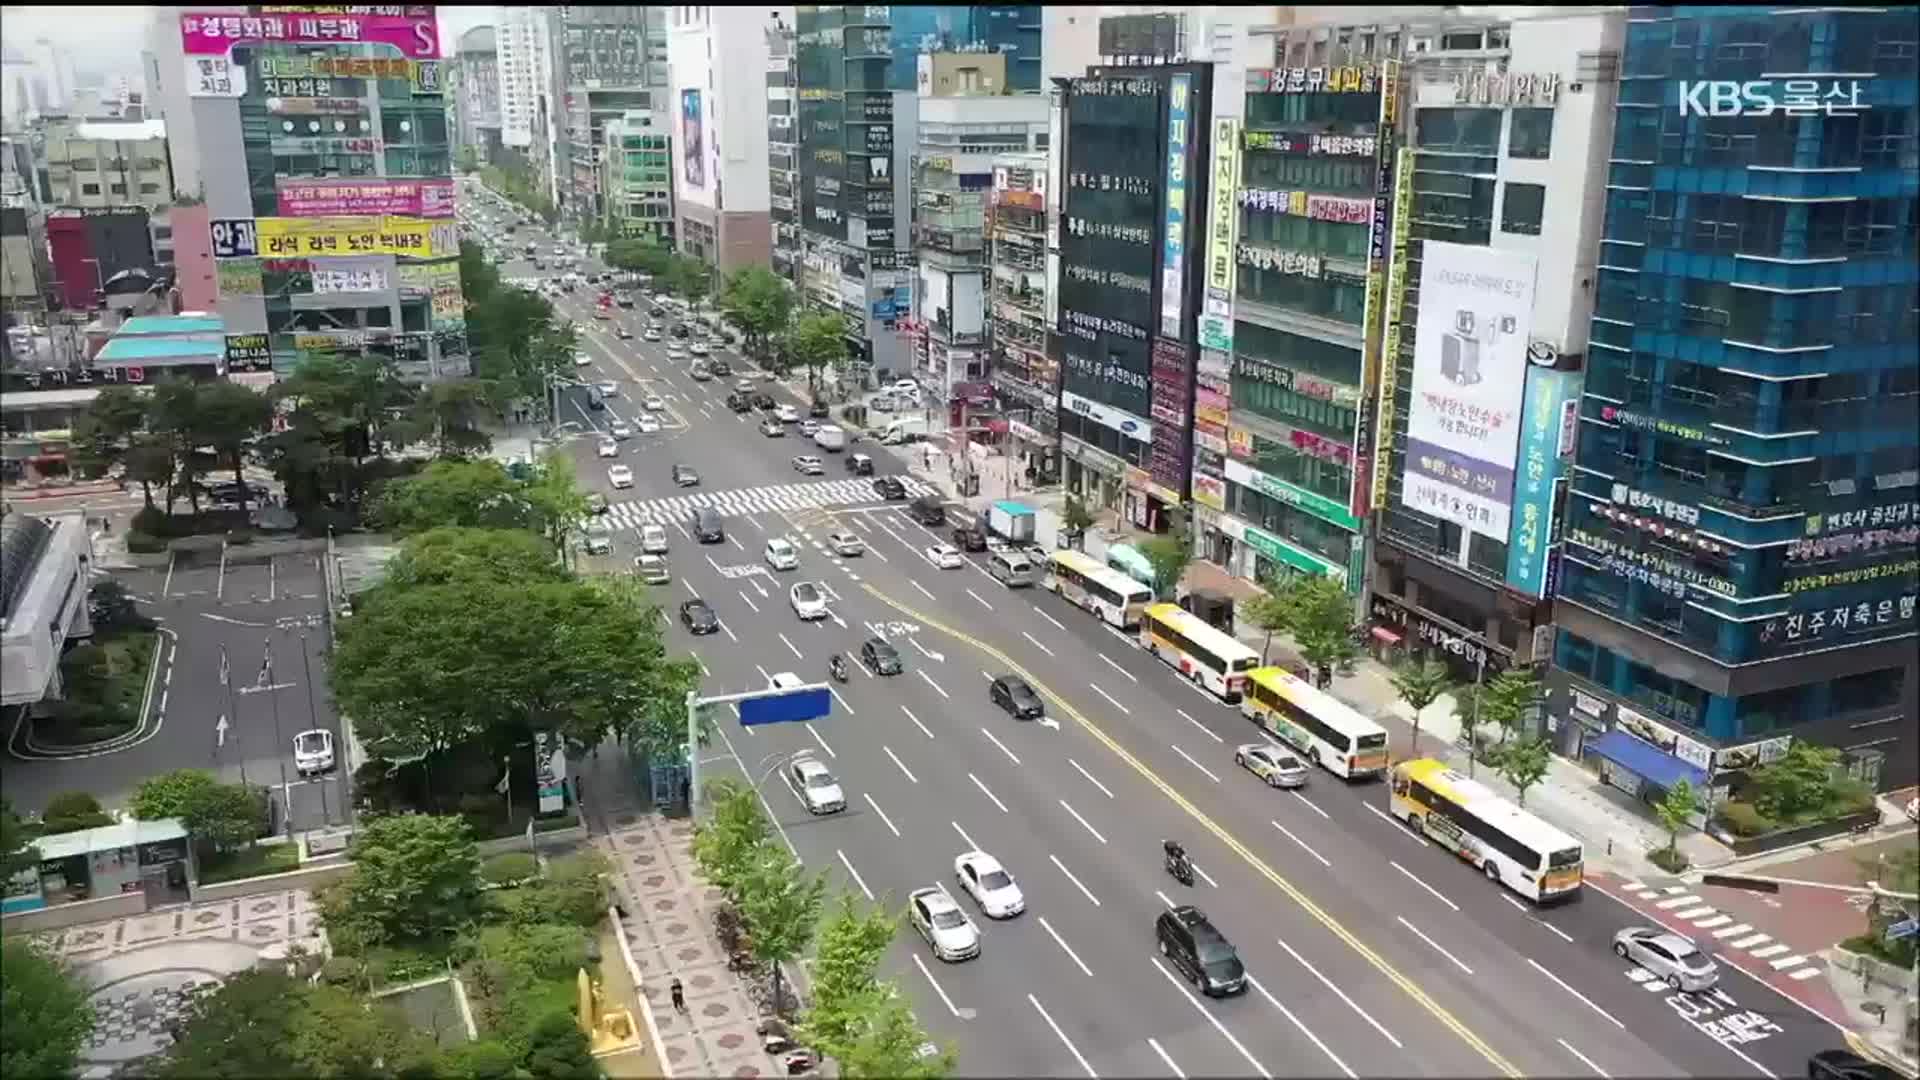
256, 921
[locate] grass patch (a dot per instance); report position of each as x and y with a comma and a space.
106, 684
258, 860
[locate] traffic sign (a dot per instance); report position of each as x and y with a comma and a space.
806, 703
1905, 928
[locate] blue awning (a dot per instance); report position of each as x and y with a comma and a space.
1646, 760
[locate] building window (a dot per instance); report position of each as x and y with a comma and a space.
1522, 207
89, 189
1532, 134
1460, 131
116, 189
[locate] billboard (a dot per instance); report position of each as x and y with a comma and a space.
693, 141
368, 196
418, 238
1223, 234
1390, 335
1173, 254
415, 31
1365, 419
1551, 400
1469, 377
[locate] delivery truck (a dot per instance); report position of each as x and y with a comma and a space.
1011, 521
830, 437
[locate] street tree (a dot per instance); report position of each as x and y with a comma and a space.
814, 340
1168, 554
72, 811
452, 554
45, 1017
469, 494
651, 713
148, 462
1676, 809
17, 848
558, 1050
846, 958
337, 1036
448, 414
1267, 611
780, 905
559, 507
415, 878
1797, 783
890, 1043
221, 815
1525, 764
761, 303
688, 278
175, 419
229, 417
343, 407
1509, 701
1321, 621
1470, 711
727, 840
637, 256
241, 1031
105, 432
1420, 682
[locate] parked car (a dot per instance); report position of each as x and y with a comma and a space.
313, 751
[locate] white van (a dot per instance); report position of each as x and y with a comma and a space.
1012, 569
781, 555
830, 437
902, 429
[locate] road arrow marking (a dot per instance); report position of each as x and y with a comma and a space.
220, 731
1049, 722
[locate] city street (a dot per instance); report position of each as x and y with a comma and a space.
1371, 953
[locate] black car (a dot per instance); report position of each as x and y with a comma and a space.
889, 487
764, 401
707, 528
859, 464
1201, 952
880, 656
698, 618
969, 538
818, 410
928, 510
680, 330
684, 476
596, 503
720, 367
738, 401
1846, 1065
1012, 693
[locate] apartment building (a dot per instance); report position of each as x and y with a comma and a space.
609, 61
637, 167
718, 60
475, 88
1024, 374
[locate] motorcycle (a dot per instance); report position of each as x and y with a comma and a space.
1181, 867
837, 667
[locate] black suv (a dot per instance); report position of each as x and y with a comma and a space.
739, 402
764, 401
1202, 953
928, 510
818, 410
880, 656
720, 367
1012, 693
969, 538
889, 487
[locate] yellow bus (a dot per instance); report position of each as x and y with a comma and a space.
1509, 845
1325, 729
1215, 660
1112, 596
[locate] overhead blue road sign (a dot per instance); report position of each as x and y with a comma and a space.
794, 705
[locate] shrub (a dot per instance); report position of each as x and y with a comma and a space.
72, 811
1672, 860
509, 867
343, 971
1744, 820
151, 520
144, 543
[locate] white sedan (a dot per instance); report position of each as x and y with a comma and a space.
608, 388
845, 543
808, 465
787, 414
620, 476
944, 556
648, 423
620, 429
607, 448
653, 539
808, 601
313, 751
653, 403
581, 359
984, 879
808, 427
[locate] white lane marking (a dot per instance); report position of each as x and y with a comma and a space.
1036, 643
790, 646
1090, 779
684, 534
1084, 891
1435, 893
1195, 764
1082, 821
1392, 821
1302, 843
1130, 675
923, 590
883, 814
1717, 920
1211, 1019
933, 684
935, 983
976, 596
735, 541
1123, 709
1434, 944
816, 738
901, 765
855, 874
749, 600
964, 838
1003, 746
1163, 899
842, 701
1678, 901
1077, 1055
1171, 1067
1774, 949
1583, 998
1204, 876
690, 589
1342, 994
1304, 1029
1695, 913
1062, 942
1750, 942
988, 794
1730, 931
1191, 720
916, 722
1597, 1070
1295, 792
1051, 619
728, 630
1563, 935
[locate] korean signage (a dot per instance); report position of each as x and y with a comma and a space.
1646, 729
1172, 387
1281, 142
1469, 379
1668, 575
1803, 629
249, 352
1667, 508
352, 276
1173, 241
234, 238
550, 771
1337, 208
1298, 497
1763, 97
1109, 417
1613, 414
1549, 393
1260, 257
1388, 612
239, 277
84, 376
1287, 554
1395, 305
1865, 542
1312, 386
417, 238
369, 196
416, 34
1505, 90
424, 75
1866, 517
441, 282
1209, 491
1223, 235
325, 145
215, 77
1859, 575
1360, 498
1316, 80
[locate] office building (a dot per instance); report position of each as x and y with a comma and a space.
783, 148
523, 51
102, 163
1500, 176
718, 59
474, 83
609, 61
1738, 560
43, 602
1024, 374
637, 168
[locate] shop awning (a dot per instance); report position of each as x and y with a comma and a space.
1385, 636
1646, 760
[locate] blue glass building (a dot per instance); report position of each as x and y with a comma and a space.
1010, 28
1739, 562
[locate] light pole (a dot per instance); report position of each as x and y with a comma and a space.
273, 694
774, 705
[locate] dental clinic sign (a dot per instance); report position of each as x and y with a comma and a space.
1764, 97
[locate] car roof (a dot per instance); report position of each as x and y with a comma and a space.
981, 861
878, 642
936, 899
809, 765
1670, 941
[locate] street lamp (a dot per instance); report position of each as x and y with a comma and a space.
774, 705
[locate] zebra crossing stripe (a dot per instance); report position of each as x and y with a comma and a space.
1693, 913
1803, 974
1678, 901
1727, 932
1774, 949
1786, 962
1750, 942
1708, 924
1674, 890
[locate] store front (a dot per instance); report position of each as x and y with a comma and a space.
1397, 629
132, 856
1092, 475
1148, 505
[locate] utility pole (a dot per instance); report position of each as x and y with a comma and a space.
280, 755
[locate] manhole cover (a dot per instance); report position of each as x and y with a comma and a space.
714, 1009
643, 860
206, 917
730, 1040
263, 905
664, 904
654, 881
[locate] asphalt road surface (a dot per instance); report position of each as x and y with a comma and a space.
1371, 953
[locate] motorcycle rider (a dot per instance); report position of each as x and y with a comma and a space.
1177, 862
837, 664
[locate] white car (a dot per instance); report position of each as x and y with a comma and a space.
649, 424
1675, 959
607, 448
808, 601
744, 386
620, 476
313, 751
904, 387
653, 539
676, 352
808, 427
653, 403
781, 555
1276, 765
620, 429
808, 465
944, 556
787, 414
650, 335
946, 928
581, 359
984, 879
698, 348
845, 544
652, 569
608, 388
818, 791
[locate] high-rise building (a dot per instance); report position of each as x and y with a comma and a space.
1738, 567
474, 83
783, 148
609, 61
718, 103
637, 177
1025, 377
523, 51
326, 173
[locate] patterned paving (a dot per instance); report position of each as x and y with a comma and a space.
740, 502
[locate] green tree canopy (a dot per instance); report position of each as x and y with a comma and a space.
847, 954
780, 904
241, 1031
416, 877
17, 849
465, 494
728, 839
454, 554
223, 815
1509, 701
44, 1014
1525, 764
760, 302
229, 417
72, 811
1320, 618
813, 341
1798, 783
1420, 683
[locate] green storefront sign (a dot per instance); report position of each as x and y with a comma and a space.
1280, 551
1318, 505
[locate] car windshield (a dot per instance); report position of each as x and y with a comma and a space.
819, 780
698, 611
312, 742
949, 919
1214, 953
806, 594
995, 880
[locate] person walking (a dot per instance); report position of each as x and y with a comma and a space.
679, 995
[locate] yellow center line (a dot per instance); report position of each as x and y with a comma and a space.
1333, 925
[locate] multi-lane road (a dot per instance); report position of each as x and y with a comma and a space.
1370, 952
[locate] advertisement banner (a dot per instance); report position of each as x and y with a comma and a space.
1390, 336
550, 771
693, 147
1223, 235
1548, 393
1365, 419
249, 352
1209, 491
416, 33
239, 277
352, 276
417, 238
215, 76
1107, 416
1173, 256
1469, 377
369, 196
1280, 491
1287, 554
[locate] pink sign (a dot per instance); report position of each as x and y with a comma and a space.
352, 198
416, 34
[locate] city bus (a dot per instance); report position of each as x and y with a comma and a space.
1215, 660
1116, 598
1509, 845
1317, 724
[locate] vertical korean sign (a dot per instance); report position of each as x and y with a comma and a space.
1173, 258
1535, 485
1223, 231
1364, 424
1390, 332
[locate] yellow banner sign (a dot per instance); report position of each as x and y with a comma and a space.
417, 238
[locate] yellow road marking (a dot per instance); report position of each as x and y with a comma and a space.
1333, 926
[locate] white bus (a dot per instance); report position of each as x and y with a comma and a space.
1218, 661
1322, 727
1116, 598
1509, 845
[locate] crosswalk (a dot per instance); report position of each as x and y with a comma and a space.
1678, 902
740, 502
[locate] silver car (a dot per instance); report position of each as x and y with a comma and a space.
1278, 767
1675, 959
946, 927
815, 786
